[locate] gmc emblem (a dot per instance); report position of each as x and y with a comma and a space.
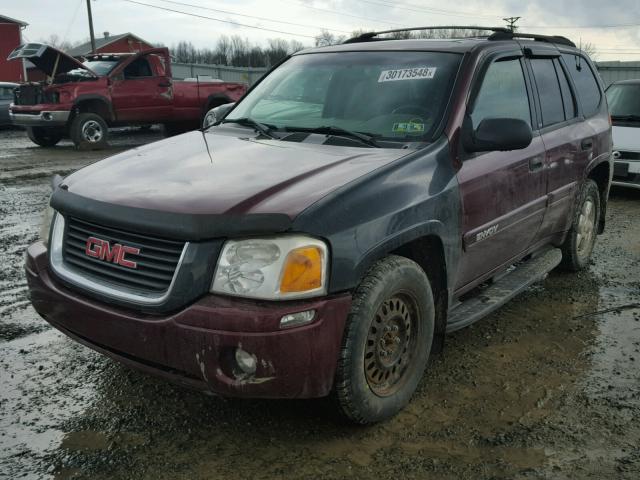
101, 249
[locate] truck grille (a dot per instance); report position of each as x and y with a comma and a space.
155, 264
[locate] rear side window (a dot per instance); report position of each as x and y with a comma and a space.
585, 82
567, 97
503, 93
548, 91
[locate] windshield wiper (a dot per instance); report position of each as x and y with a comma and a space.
633, 118
257, 126
365, 138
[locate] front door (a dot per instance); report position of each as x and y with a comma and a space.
503, 193
140, 93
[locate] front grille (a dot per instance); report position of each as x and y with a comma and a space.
28, 94
156, 262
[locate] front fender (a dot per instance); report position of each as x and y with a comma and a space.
412, 197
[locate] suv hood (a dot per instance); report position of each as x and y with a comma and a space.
218, 173
48, 59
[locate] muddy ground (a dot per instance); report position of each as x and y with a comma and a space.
547, 387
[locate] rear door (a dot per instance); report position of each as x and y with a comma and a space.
503, 193
569, 141
141, 91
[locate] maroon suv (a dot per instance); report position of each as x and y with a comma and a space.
358, 203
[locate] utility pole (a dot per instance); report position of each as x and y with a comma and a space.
93, 38
511, 23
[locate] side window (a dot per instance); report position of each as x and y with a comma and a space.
137, 69
548, 90
503, 93
567, 96
585, 81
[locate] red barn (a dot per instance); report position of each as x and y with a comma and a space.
125, 42
10, 38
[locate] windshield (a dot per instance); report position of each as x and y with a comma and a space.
624, 100
6, 93
392, 95
100, 67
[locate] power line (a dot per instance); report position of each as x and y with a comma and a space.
342, 14
251, 16
511, 22
432, 11
624, 25
219, 20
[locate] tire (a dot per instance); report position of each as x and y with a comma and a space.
578, 246
376, 377
43, 136
89, 131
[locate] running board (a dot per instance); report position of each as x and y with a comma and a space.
503, 289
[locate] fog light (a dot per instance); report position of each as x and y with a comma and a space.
297, 319
246, 361
47, 116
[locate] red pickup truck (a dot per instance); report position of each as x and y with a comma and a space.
83, 99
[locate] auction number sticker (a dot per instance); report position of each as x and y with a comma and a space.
407, 74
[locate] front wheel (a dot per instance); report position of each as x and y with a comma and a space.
89, 131
578, 246
387, 341
44, 136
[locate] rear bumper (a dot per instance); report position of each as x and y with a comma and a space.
626, 173
195, 347
44, 118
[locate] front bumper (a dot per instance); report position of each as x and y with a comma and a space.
195, 347
626, 173
44, 118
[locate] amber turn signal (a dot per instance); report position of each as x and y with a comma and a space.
302, 270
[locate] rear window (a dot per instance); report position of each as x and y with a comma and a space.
585, 82
624, 100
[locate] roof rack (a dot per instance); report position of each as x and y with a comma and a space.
509, 35
364, 37
498, 33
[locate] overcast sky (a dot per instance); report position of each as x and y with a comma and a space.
617, 39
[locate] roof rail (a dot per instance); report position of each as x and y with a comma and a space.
498, 33
509, 35
371, 35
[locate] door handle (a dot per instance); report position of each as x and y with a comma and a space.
536, 163
164, 84
586, 144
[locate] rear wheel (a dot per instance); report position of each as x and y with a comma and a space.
89, 131
44, 136
578, 246
387, 341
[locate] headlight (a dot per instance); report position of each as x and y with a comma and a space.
277, 268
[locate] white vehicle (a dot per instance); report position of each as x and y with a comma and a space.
624, 106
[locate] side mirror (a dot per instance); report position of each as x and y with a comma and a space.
502, 134
216, 114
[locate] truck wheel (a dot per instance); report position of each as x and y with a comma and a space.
387, 341
43, 136
578, 246
89, 131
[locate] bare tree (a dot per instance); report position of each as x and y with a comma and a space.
326, 38
590, 49
55, 41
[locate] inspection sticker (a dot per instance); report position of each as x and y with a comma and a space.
407, 74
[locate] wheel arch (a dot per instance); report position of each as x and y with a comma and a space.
215, 100
601, 173
424, 245
93, 104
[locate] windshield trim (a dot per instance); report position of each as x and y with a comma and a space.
446, 111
